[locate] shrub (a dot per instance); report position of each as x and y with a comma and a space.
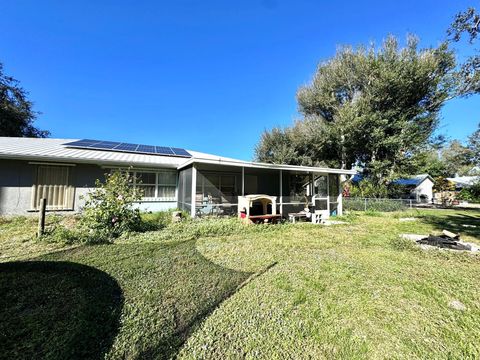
152, 221
109, 210
471, 193
61, 234
191, 229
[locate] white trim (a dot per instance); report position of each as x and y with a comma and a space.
259, 165
243, 181
281, 192
193, 208
340, 198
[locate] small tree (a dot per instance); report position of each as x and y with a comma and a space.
109, 211
445, 188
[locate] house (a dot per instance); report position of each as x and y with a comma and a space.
62, 170
418, 187
463, 181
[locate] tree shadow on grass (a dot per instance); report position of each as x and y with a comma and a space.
57, 310
208, 285
465, 223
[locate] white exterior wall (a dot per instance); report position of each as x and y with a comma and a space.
424, 188
154, 206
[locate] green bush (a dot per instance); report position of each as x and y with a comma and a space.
61, 234
190, 229
471, 193
153, 221
109, 209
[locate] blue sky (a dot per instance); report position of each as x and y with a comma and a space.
204, 75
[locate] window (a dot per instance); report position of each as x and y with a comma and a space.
156, 185
166, 185
146, 182
52, 183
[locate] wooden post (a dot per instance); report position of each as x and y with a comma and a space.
41, 217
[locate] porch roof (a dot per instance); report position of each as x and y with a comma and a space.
258, 165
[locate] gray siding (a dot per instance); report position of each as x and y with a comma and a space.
17, 178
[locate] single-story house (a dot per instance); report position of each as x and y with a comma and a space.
418, 187
62, 170
464, 181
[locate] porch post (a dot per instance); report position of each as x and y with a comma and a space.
243, 181
328, 194
194, 190
340, 197
281, 193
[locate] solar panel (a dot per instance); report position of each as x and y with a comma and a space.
127, 147
181, 152
163, 150
146, 149
84, 142
105, 145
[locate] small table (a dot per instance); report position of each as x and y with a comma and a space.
292, 217
258, 219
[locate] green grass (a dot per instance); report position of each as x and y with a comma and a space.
218, 289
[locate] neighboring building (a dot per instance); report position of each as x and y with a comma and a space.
463, 181
418, 187
62, 170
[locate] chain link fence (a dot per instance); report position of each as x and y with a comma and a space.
373, 204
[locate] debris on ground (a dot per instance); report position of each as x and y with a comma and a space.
457, 305
447, 240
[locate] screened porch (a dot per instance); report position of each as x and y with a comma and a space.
211, 189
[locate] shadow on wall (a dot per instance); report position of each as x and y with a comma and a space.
468, 224
65, 310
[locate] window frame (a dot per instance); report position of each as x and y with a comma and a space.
157, 184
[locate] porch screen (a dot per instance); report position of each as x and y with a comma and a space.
53, 184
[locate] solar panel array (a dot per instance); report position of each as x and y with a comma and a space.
127, 147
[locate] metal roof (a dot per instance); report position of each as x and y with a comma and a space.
464, 181
53, 150
413, 181
218, 160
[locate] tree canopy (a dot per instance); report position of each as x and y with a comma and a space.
371, 107
474, 146
16, 111
468, 23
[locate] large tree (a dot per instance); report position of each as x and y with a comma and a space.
448, 161
467, 23
474, 146
369, 107
16, 111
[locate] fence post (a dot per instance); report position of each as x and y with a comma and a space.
410, 203
365, 204
41, 217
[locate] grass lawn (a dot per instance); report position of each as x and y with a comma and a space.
218, 289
